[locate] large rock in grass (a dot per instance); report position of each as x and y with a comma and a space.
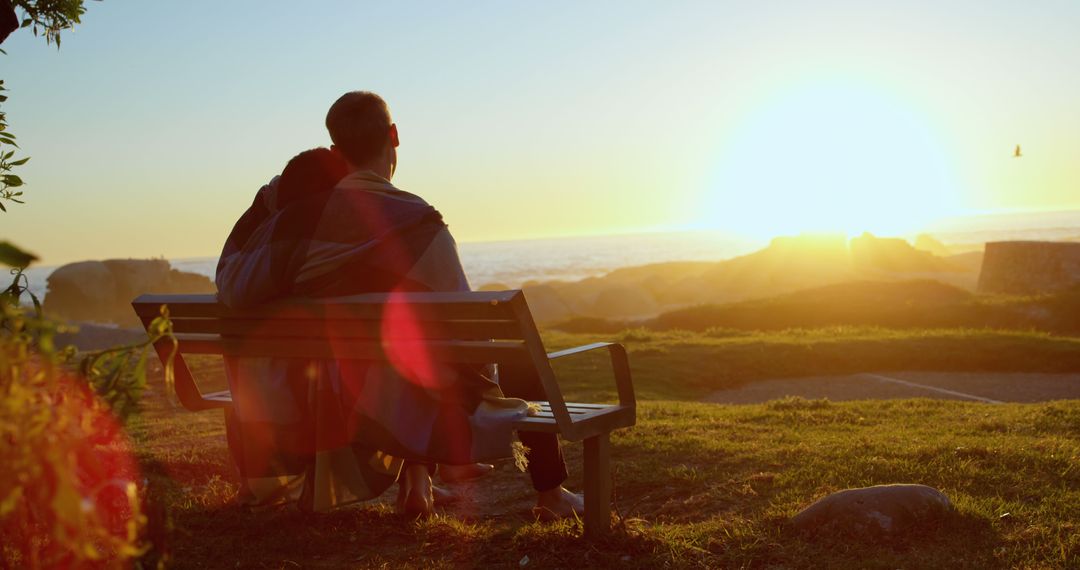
101, 291
877, 510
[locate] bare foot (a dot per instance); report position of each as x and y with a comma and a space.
458, 473
444, 496
415, 497
558, 503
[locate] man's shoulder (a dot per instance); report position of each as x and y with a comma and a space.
370, 182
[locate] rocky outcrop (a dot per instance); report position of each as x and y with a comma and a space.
1027, 267
101, 291
870, 253
788, 264
930, 244
878, 510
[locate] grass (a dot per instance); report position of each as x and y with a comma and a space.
698, 485
685, 365
901, 305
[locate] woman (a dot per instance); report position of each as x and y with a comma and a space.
293, 442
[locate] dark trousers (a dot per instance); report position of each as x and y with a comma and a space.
546, 465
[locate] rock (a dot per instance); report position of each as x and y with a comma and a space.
877, 510
893, 255
930, 244
78, 290
102, 291
1027, 267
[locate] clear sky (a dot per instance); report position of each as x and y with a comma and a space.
155, 123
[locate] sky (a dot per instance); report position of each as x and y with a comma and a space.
153, 126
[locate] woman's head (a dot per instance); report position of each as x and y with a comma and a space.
308, 173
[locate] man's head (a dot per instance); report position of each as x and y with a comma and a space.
363, 133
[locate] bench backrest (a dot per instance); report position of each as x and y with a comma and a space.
478, 327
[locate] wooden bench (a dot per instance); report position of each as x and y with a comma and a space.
485, 327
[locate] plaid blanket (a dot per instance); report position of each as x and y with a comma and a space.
330, 432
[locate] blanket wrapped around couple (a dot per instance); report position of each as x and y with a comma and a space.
330, 432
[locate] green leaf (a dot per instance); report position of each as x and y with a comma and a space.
11, 180
20, 162
13, 256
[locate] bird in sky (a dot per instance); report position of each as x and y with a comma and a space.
1016, 153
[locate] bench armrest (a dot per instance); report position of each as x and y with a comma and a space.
620, 365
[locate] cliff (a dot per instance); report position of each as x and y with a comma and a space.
1027, 267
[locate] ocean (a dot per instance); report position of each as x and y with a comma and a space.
513, 263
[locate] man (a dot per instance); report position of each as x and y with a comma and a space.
362, 236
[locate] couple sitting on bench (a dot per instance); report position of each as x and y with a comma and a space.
329, 432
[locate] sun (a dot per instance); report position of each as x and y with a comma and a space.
835, 158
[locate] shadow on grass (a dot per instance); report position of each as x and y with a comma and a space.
374, 536
957, 540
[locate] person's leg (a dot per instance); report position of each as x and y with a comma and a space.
459, 473
547, 467
415, 496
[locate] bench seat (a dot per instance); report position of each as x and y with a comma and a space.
481, 327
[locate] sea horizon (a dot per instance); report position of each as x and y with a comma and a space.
515, 262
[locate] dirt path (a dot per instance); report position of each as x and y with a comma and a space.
974, 387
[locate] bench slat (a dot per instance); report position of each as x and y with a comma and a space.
369, 329
222, 396
588, 424
547, 406
485, 305
463, 351
545, 425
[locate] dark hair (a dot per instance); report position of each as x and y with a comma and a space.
308, 173
359, 124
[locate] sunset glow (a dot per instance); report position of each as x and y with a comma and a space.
755, 120
832, 157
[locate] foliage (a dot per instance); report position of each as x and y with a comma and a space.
69, 485
50, 17
68, 480
9, 183
118, 375
13, 256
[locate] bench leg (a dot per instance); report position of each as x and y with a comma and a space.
597, 485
